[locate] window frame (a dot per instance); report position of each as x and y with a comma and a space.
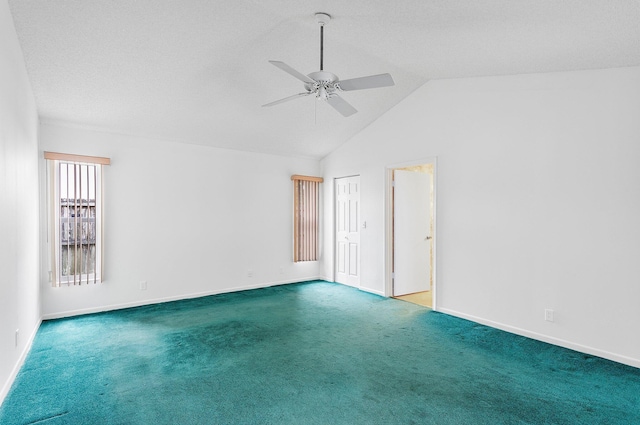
54, 163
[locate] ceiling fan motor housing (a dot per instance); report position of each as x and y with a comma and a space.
325, 84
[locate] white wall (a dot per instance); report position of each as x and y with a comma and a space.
538, 201
19, 303
190, 220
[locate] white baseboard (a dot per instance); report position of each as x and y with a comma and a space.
111, 307
16, 368
371, 291
548, 339
361, 288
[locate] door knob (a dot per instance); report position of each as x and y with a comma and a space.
427, 238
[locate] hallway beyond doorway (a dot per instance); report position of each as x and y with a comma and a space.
424, 298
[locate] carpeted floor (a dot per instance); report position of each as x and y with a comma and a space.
310, 353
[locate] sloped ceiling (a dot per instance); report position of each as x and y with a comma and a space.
197, 71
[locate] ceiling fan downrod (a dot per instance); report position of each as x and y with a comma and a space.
321, 47
323, 19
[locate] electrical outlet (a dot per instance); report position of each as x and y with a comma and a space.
548, 315
17, 335
250, 273
143, 285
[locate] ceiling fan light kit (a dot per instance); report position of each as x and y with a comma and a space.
326, 85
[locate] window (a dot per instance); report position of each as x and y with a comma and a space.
75, 187
306, 206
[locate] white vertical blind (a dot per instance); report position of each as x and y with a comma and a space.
76, 218
76, 221
306, 194
96, 232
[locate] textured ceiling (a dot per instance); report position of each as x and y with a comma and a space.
196, 71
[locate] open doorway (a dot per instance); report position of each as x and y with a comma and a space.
410, 241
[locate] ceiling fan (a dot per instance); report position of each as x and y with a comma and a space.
325, 85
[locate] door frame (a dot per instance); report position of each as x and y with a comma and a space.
388, 225
335, 230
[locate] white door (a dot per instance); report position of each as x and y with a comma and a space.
411, 232
347, 204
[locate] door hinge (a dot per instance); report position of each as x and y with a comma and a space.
393, 275
393, 183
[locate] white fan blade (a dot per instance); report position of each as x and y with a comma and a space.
341, 105
286, 68
370, 82
288, 98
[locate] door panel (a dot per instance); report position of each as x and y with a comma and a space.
347, 202
353, 259
341, 261
411, 233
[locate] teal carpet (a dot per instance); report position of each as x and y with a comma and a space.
309, 353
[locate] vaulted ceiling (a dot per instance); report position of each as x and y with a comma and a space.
197, 71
